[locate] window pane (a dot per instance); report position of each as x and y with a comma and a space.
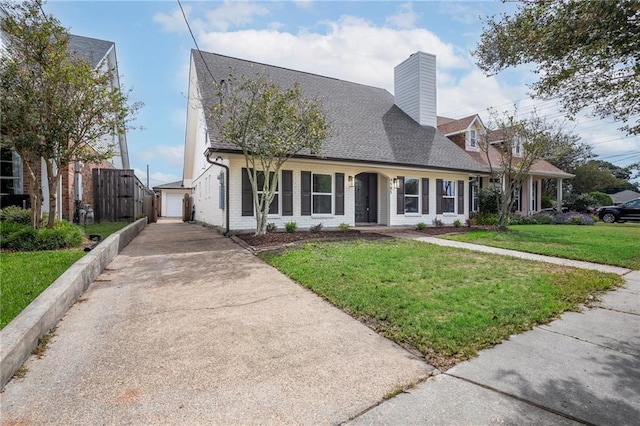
411, 204
448, 188
448, 205
322, 183
411, 186
322, 204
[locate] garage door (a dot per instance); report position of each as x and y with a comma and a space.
174, 205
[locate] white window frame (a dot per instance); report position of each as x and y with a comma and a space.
517, 147
259, 193
449, 192
475, 192
416, 196
315, 193
473, 138
534, 196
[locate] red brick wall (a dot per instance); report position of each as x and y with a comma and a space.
68, 186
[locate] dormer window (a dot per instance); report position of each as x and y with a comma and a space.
473, 138
517, 147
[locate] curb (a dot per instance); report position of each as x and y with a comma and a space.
21, 335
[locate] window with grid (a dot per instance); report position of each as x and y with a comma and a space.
411, 195
322, 193
448, 196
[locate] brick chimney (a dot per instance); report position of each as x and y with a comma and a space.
415, 87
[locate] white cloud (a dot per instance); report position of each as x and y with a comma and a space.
352, 49
156, 178
459, 12
404, 18
173, 22
233, 13
171, 155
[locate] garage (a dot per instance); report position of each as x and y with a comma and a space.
173, 205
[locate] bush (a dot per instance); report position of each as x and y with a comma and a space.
420, 226
572, 218
19, 237
542, 219
601, 198
477, 218
457, 223
344, 227
489, 199
546, 201
437, 223
291, 227
579, 202
316, 228
15, 214
516, 219
271, 227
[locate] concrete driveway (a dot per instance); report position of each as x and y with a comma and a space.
186, 327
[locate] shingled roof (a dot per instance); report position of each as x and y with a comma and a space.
449, 125
91, 49
366, 125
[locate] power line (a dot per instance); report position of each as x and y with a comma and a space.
196, 43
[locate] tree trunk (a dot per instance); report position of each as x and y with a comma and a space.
261, 221
35, 194
53, 182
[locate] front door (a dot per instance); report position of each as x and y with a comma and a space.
367, 198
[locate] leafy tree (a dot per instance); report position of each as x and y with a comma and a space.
592, 176
512, 148
55, 107
586, 53
269, 125
601, 199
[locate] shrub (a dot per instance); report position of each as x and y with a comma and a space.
542, 219
15, 214
291, 227
516, 219
601, 198
437, 223
579, 202
546, 201
572, 218
420, 226
483, 218
23, 238
316, 228
271, 227
344, 227
489, 199
457, 223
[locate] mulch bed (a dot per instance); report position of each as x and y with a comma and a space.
277, 239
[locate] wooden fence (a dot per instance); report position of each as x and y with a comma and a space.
119, 196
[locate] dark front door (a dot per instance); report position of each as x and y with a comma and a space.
367, 198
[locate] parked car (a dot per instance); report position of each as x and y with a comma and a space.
627, 211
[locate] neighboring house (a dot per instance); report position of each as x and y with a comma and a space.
624, 196
171, 198
469, 132
76, 182
384, 162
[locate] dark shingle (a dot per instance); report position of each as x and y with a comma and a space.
91, 49
366, 124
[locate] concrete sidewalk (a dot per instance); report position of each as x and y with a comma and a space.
583, 368
184, 327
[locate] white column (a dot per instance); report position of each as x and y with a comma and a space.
559, 195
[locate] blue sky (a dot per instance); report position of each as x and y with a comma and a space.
352, 40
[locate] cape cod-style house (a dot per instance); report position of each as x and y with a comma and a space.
385, 161
468, 133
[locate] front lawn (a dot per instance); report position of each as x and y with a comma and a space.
24, 275
447, 303
608, 243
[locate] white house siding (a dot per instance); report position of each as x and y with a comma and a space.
206, 196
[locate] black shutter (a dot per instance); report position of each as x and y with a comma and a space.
438, 196
400, 196
460, 197
287, 193
247, 194
339, 194
425, 195
305, 194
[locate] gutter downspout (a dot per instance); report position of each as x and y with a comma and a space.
215, 162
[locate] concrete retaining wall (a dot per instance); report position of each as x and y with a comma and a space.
20, 336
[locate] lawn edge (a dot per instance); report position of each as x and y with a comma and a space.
21, 335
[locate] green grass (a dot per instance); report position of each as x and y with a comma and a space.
447, 303
24, 275
27, 274
611, 244
104, 229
